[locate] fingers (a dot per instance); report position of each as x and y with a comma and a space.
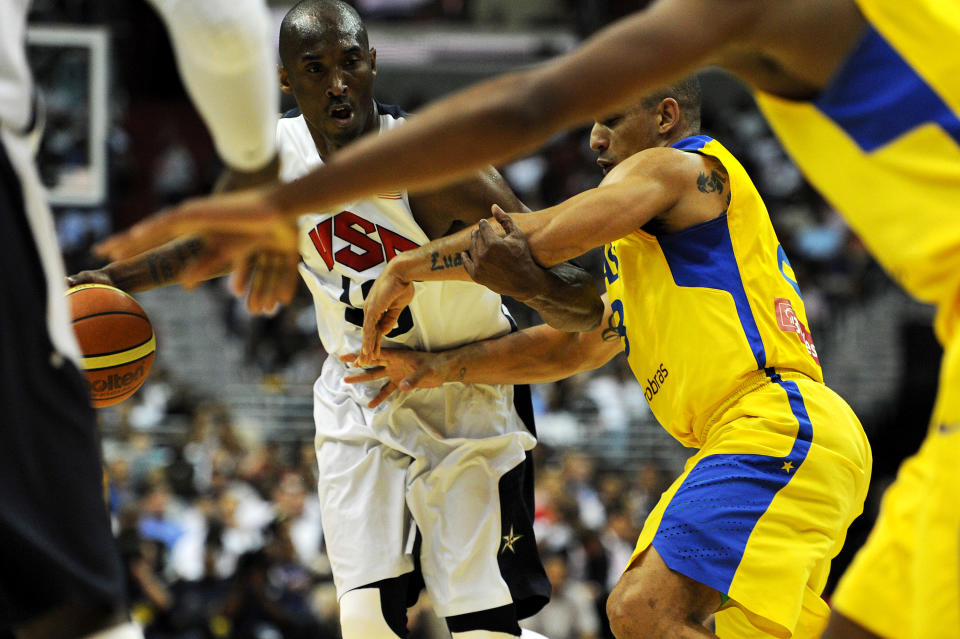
468, 263
141, 237
240, 278
265, 276
382, 395
504, 220
368, 375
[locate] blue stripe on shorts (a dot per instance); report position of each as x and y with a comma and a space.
704, 530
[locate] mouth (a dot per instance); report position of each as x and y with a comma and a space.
342, 115
605, 165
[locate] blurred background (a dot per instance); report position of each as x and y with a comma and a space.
211, 467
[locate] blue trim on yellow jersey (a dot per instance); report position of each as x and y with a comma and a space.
781, 260
693, 143
702, 256
876, 96
704, 530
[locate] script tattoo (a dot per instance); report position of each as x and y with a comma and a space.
167, 265
712, 183
439, 263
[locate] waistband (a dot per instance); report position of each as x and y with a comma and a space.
755, 381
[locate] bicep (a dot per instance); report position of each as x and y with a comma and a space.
596, 217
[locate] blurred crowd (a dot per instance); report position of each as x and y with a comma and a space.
220, 534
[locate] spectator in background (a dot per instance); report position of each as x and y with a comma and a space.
571, 613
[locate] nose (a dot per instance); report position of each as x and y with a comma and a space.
599, 142
337, 85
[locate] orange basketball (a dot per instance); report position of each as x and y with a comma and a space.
116, 339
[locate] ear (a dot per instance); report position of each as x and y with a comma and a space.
668, 115
373, 60
284, 80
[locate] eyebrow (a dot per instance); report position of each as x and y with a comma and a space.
306, 57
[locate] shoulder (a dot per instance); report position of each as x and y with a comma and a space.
663, 164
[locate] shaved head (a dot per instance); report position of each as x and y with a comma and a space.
308, 19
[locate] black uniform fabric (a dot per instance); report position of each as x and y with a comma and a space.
55, 540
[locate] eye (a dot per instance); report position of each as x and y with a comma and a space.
612, 121
351, 62
314, 67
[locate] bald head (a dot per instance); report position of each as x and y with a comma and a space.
309, 19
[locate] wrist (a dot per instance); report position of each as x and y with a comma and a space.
541, 283
450, 366
400, 267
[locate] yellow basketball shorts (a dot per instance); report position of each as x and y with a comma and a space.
763, 507
905, 581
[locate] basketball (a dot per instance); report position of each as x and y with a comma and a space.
116, 340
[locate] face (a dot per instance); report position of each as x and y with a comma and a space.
331, 76
617, 137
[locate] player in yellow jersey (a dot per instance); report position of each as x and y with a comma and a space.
703, 303
865, 95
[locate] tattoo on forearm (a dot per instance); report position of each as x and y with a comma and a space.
712, 183
166, 266
440, 262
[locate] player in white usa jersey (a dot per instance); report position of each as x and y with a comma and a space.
433, 484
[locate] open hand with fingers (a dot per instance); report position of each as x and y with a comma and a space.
269, 278
390, 294
234, 227
403, 370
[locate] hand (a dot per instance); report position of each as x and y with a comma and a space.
235, 227
270, 279
97, 276
390, 294
404, 370
501, 260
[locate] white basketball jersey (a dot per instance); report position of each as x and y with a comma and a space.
344, 250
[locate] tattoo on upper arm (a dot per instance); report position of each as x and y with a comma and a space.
165, 266
462, 373
440, 262
712, 183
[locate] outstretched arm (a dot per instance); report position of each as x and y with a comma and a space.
633, 193
533, 355
482, 125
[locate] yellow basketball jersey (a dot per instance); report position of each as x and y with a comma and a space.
882, 143
699, 312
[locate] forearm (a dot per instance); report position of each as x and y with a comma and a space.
533, 355
159, 267
569, 300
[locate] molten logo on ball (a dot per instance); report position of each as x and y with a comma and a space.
117, 382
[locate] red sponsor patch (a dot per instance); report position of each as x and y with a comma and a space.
788, 321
